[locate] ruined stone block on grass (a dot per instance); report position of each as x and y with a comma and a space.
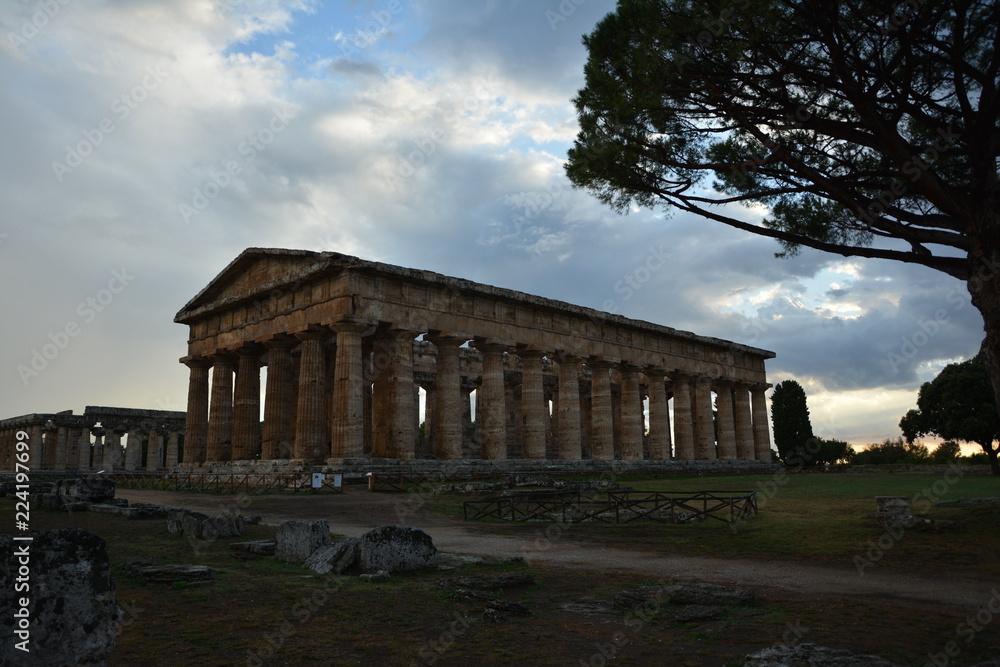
397, 549
295, 541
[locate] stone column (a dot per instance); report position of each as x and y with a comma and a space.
154, 450
602, 432
196, 425
172, 450
98, 433
568, 437
705, 431
533, 409
113, 448
744, 424
632, 423
73, 448
348, 423
402, 411
37, 447
277, 437
447, 412
133, 449
62, 442
659, 415
683, 417
761, 436
310, 425
491, 411
85, 452
246, 404
726, 421
218, 446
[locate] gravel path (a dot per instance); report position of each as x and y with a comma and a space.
359, 510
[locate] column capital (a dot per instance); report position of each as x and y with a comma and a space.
249, 349
314, 332
655, 372
345, 325
196, 361
492, 344
630, 369
222, 356
449, 338
401, 333
567, 357
604, 363
761, 386
682, 376
279, 341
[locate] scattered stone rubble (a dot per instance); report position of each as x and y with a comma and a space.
895, 512
810, 655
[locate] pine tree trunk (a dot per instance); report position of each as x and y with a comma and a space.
984, 287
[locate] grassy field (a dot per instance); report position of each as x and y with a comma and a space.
815, 517
259, 611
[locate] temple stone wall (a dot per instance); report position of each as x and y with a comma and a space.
348, 343
102, 438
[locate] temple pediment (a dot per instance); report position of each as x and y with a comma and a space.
253, 272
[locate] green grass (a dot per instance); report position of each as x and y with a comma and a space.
818, 517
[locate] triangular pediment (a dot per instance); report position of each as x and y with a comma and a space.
255, 271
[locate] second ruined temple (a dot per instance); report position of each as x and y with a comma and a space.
356, 350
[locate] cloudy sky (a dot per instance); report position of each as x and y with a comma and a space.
148, 142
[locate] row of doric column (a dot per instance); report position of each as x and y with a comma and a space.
68, 446
348, 390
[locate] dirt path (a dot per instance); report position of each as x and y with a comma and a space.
359, 510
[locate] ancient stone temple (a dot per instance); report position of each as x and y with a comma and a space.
355, 350
102, 438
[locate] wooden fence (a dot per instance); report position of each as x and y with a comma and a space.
622, 506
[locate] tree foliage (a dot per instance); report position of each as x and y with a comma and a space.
850, 121
957, 405
862, 128
790, 418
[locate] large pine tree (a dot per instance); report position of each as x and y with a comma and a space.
790, 416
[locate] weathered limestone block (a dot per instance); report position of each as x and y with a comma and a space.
74, 613
888, 509
94, 490
295, 541
334, 558
174, 572
812, 656
258, 547
397, 549
200, 526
